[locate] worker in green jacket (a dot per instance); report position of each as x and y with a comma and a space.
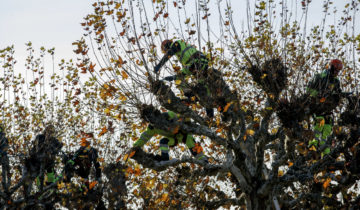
172, 133
325, 89
194, 63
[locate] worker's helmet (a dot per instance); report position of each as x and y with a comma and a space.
165, 45
336, 65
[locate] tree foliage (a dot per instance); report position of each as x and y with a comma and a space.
258, 159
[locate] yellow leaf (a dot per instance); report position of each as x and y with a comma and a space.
169, 101
274, 130
150, 184
322, 122
187, 21
326, 183
312, 148
61, 185
178, 82
263, 76
124, 75
107, 111
125, 157
280, 173
122, 98
250, 132
164, 197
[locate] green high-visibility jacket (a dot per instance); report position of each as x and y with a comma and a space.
324, 85
185, 53
172, 135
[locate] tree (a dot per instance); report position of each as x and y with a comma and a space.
269, 63
259, 159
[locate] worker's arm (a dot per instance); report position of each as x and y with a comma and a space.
144, 137
172, 51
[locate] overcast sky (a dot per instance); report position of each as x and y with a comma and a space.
48, 23
56, 23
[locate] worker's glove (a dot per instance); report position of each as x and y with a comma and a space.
156, 69
170, 78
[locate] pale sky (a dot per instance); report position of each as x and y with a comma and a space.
56, 23
48, 23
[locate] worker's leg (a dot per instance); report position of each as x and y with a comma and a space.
318, 129
164, 148
325, 134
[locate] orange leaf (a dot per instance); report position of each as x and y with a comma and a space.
132, 154
164, 197
84, 142
124, 75
91, 67
176, 129
290, 164
227, 106
198, 149
92, 184
103, 131
137, 172
326, 183
322, 100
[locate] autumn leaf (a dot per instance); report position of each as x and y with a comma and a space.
137, 172
280, 173
122, 97
176, 129
326, 184
132, 154
124, 75
103, 131
227, 106
178, 82
192, 32
107, 111
84, 142
197, 148
250, 132
322, 100
187, 21
92, 184
60, 185
164, 197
